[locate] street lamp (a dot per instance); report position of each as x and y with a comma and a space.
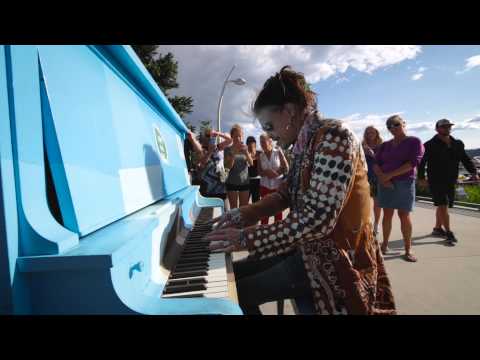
239, 82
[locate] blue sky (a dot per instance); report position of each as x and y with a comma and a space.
441, 92
361, 84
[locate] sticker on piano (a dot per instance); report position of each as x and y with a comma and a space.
161, 146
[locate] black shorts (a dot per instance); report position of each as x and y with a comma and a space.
222, 196
231, 187
443, 194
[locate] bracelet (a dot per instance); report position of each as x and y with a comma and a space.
243, 239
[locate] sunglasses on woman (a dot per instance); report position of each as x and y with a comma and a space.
267, 125
393, 126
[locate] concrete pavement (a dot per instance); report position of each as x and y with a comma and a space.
444, 281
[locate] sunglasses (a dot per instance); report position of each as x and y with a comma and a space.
266, 125
393, 126
445, 126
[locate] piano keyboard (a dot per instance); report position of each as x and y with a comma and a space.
198, 272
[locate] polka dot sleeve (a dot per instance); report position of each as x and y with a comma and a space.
323, 200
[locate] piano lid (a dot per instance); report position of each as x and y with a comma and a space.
113, 144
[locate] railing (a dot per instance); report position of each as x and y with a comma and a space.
457, 204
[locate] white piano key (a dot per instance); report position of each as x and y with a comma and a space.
217, 295
211, 277
223, 294
218, 257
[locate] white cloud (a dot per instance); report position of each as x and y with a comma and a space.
358, 122
417, 76
342, 79
424, 130
419, 73
421, 126
474, 120
203, 68
471, 63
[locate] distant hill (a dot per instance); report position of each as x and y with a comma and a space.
473, 152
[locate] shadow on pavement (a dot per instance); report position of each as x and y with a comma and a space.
399, 245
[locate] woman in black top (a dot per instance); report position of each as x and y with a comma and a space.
252, 170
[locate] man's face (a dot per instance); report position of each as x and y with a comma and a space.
444, 130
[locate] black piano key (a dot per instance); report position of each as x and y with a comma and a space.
186, 288
194, 261
188, 267
191, 267
184, 274
185, 282
195, 252
185, 296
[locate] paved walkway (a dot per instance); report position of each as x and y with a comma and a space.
445, 280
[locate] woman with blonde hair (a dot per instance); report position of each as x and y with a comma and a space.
396, 169
370, 143
237, 160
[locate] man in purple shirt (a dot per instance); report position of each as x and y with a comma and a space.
396, 164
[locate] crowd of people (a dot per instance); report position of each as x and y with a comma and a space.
237, 173
394, 168
327, 244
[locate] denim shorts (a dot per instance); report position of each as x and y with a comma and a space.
400, 197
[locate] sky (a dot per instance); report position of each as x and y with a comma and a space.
360, 84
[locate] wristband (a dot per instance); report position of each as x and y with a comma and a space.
243, 239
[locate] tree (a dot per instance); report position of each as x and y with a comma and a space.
164, 70
204, 125
190, 126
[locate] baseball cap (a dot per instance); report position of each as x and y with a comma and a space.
443, 122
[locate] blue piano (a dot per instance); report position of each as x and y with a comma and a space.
97, 213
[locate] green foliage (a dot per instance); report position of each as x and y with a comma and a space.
472, 191
190, 126
473, 194
164, 70
204, 125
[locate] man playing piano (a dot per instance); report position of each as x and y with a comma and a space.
325, 247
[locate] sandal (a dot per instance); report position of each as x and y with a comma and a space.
384, 250
410, 258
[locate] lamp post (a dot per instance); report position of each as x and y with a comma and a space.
239, 82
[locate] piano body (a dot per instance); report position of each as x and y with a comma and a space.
97, 213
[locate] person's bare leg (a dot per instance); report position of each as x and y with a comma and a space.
438, 218
406, 227
232, 199
226, 205
445, 217
386, 227
243, 197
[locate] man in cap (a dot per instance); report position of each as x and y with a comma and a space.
443, 153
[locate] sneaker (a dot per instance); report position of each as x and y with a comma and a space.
451, 237
384, 250
439, 232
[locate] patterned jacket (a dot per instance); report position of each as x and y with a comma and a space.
329, 221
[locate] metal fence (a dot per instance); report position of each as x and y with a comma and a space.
457, 204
